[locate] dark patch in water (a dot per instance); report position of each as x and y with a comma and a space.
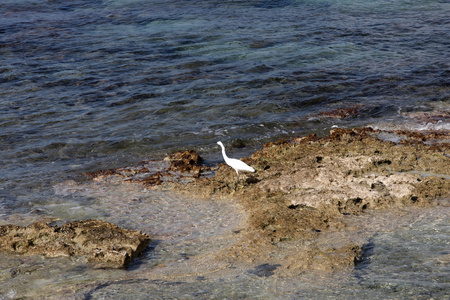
268, 4
264, 270
364, 260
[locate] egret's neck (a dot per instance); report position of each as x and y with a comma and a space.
223, 153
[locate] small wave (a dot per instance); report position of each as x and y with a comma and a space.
412, 126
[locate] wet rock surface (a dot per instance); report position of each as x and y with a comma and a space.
105, 244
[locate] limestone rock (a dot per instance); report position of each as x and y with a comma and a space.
105, 244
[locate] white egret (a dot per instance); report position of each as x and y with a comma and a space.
236, 164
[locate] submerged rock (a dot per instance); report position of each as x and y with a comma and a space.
180, 166
340, 113
105, 244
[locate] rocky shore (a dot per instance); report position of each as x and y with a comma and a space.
305, 193
310, 187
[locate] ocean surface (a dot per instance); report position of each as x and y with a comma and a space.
89, 85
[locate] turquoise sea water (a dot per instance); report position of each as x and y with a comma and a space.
88, 85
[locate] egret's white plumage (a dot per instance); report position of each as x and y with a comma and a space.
236, 164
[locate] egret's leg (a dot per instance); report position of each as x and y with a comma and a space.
236, 183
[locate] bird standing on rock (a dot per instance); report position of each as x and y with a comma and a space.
236, 164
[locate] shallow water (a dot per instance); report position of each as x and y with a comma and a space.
88, 85
408, 258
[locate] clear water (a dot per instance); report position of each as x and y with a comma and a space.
407, 259
88, 85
